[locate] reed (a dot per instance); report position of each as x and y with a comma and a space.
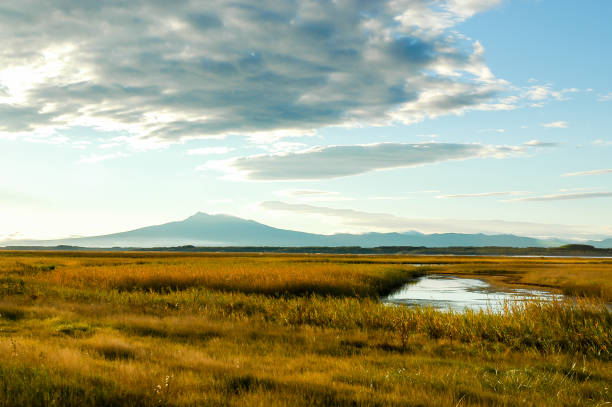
181, 330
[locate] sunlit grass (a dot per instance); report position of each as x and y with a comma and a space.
288, 278
583, 278
181, 330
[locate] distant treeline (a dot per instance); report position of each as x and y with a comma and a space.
567, 250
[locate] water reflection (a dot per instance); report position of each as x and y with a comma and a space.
444, 292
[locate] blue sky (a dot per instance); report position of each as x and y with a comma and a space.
350, 116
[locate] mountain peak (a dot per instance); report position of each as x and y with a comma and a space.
205, 217
199, 215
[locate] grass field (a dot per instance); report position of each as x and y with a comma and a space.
156, 329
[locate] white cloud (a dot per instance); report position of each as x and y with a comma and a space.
564, 197
96, 158
10, 197
80, 144
539, 94
538, 143
492, 130
317, 195
419, 18
467, 8
281, 146
481, 194
605, 98
592, 172
11, 236
345, 160
109, 145
209, 150
360, 221
556, 125
305, 193
600, 142
219, 201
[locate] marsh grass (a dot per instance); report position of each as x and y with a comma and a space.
251, 277
581, 278
182, 330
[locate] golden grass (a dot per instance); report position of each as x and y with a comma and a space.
117, 329
582, 278
255, 275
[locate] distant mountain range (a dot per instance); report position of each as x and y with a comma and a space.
222, 230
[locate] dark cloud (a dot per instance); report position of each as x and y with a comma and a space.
412, 50
174, 70
204, 22
16, 118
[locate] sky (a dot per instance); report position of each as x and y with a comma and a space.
471, 116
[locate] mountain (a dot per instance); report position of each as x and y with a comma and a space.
602, 244
200, 230
222, 230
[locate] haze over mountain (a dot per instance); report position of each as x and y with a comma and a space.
223, 230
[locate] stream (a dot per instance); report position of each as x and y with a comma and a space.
447, 292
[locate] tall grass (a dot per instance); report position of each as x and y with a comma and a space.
584, 277
178, 330
272, 278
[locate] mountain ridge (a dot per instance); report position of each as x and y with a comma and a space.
201, 229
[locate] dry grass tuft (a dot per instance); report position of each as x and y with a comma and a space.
111, 347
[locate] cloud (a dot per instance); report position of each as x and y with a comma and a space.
556, 125
564, 197
281, 146
539, 95
492, 130
209, 150
317, 195
605, 98
467, 8
600, 142
345, 160
11, 236
360, 221
9, 197
96, 158
106, 146
538, 143
81, 144
481, 194
420, 19
305, 193
592, 172
168, 71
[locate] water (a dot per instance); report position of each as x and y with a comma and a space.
444, 292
